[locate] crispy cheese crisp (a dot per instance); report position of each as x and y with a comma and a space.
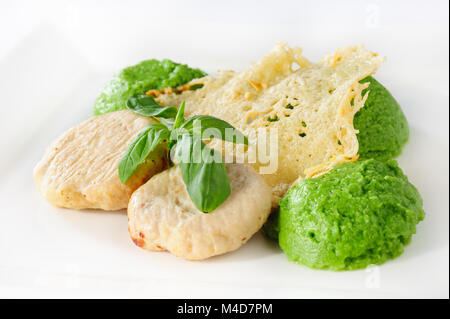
310, 105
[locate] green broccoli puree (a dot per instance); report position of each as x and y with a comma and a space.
139, 78
383, 128
383, 134
358, 214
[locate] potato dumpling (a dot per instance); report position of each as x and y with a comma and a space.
161, 216
80, 169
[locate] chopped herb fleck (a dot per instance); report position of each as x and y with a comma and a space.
196, 86
289, 106
274, 119
303, 123
339, 142
302, 134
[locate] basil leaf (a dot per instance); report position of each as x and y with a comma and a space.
146, 141
147, 106
213, 122
203, 173
179, 119
167, 122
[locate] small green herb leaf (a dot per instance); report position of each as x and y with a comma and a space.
146, 141
179, 119
273, 119
147, 106
196, 86
198, 124
203, 173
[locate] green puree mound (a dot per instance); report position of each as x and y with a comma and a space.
139, 78
358, 214
383, 132
383, 128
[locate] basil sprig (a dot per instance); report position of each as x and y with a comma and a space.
202, 168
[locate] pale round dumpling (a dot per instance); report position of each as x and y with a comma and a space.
80, 169
161, 216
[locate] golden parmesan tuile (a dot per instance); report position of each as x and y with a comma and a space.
311, 105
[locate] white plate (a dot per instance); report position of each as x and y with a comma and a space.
56, 57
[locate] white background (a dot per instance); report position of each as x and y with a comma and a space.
56, 55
